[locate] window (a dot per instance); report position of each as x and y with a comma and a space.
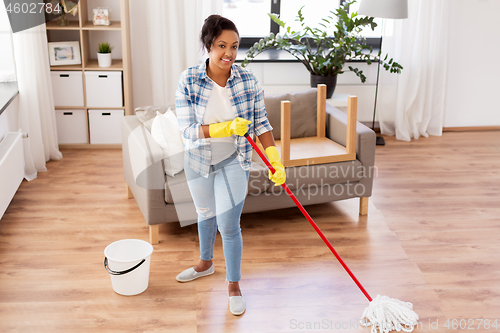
367, 31
313, 11
251, 17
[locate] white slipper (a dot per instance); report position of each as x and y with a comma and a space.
237, 305
190, 274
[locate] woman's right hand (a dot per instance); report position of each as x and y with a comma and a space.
238, 126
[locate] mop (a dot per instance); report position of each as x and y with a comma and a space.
383, 313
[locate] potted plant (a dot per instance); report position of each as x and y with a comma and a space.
104, 54
325, 50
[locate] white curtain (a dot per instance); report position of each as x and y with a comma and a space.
36, 102
174, 28
411, 104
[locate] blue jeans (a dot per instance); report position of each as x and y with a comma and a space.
219, 201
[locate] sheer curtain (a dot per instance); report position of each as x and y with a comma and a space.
411, 104
36, 103
174, 28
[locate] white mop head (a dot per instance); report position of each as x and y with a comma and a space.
387, 314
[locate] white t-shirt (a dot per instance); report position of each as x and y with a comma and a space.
218, 110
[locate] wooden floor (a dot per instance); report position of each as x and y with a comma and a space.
431, 238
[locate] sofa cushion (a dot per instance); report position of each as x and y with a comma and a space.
319, 175
176, 189
146, 114
165, 131
303, 112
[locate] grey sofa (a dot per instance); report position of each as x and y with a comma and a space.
163, 199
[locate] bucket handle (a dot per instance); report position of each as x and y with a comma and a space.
122, 272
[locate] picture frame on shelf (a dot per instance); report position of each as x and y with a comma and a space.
64, 53
101, 16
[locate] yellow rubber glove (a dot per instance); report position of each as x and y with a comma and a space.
238, 126
279, 175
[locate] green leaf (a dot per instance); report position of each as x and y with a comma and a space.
276, 20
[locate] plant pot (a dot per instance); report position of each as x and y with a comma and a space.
104, 59
330, 81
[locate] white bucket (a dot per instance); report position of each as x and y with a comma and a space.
128, 261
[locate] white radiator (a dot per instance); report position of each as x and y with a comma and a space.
11, 168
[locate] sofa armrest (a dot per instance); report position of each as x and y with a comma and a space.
336, 130
145, 157
143, 169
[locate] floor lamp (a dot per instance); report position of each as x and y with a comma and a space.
393, 9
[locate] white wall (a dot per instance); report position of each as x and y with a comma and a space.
473, 83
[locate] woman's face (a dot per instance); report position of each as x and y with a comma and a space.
224, 49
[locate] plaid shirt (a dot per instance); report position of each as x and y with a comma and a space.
191, 98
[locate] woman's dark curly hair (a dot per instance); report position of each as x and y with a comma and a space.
212, 28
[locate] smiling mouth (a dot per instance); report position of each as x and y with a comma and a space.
226, 60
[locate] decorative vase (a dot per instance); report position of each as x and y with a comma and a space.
330, 81
62, 20
104, 59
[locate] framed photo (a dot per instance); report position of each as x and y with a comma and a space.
64, 53
101, 16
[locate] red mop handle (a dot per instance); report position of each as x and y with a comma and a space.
309, 218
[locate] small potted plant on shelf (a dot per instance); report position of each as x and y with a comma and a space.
104, 54
324, 51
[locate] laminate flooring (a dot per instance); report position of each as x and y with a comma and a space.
431, 238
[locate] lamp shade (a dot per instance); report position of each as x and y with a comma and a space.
394, 9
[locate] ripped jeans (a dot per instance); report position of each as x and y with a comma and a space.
219, 201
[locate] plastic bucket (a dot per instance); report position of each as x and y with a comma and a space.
128, 261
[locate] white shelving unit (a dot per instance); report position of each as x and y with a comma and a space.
82, 29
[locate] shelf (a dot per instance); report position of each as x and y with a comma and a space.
93, 65
87, 108
66, 68
90, 146
115, 25
104, 108
70, 107
52, 25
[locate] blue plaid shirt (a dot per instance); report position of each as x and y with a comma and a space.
191, 98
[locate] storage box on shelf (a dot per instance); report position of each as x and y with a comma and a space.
71, 126
83, 93
67, 87
104, 89
105, 126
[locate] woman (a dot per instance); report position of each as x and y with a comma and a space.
218, 102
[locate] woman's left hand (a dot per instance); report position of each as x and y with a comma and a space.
279, 176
